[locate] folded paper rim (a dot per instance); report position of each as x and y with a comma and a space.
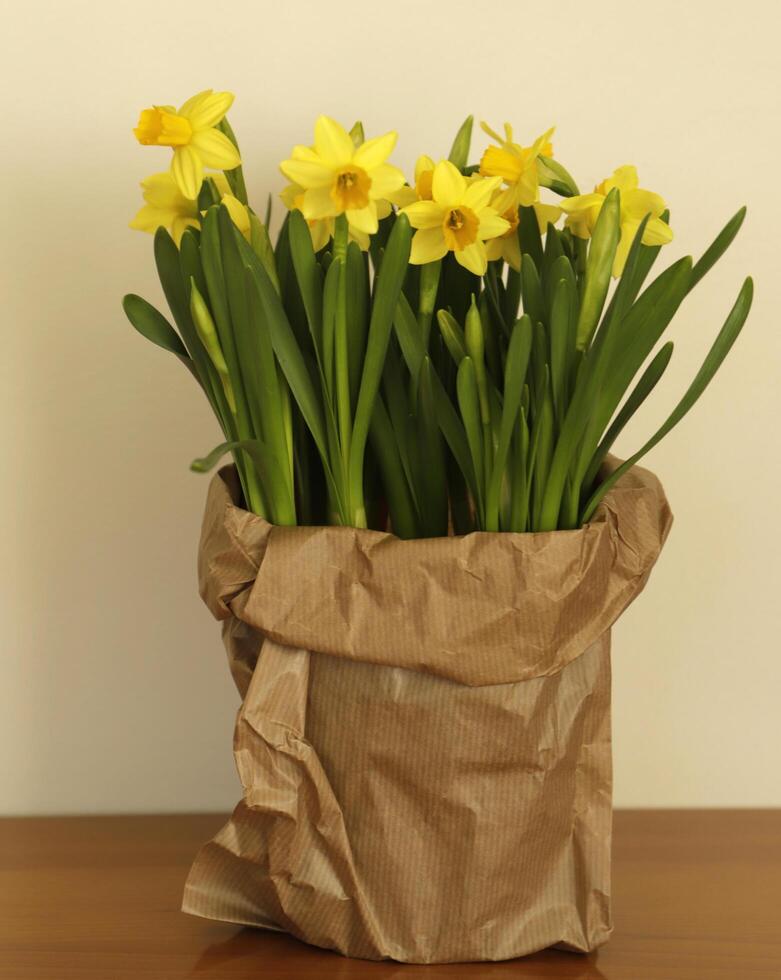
478, 609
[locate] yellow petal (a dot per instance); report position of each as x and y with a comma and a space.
361, 239
511, 250
180, 225
425, 214
448, 186
480, 191
491, 224
307, 173
628, 232
375, 152
161, 191
304, 153
320, 232
473, 258
187, 168
239, 214
385, 180
423, 164
497, 162
542, 143
546, 214
332, 142
638, 203
221, 182
494, 249
403, 197
318, 203
428, 245
149, 219
364, 219
490, 132
215, 149
657, 232
193, 103
580, 202
624, 178
383, 209
208, 111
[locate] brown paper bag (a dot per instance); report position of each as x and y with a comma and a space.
424, 738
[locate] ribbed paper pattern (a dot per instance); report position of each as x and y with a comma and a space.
424, 738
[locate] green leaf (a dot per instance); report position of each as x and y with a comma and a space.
262, 247
452, 429
358, 315
266, 463
469, 404
387, 452
529, 236
433, 479
720, 245
561, 309
721, 347
309, 276
386, 295
154, 326
531, 290
599, 266
648, 381
459, 151
516, 366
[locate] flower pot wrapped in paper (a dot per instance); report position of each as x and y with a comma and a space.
424, 737
423, 542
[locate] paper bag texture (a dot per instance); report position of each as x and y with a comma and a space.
424, 737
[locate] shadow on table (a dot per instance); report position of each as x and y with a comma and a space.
257, 953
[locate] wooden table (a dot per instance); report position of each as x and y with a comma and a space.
697, 895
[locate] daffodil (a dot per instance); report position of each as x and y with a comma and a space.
322, 229
582, 213
421, 191
457, 219
338, 177
507, 246
191, 134
515, 164
166, 207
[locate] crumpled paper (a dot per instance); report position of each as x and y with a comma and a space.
424, 736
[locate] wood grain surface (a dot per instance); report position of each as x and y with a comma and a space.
697, 896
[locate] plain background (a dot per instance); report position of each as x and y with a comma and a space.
114, 692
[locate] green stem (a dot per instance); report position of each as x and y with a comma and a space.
341, 350
427, 298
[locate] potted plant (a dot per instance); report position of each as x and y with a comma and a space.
423, 541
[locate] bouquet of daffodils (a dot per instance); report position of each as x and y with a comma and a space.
448, 353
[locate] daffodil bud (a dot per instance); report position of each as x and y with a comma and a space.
207, 332
459, 151
475, 346
452, 334
357, 134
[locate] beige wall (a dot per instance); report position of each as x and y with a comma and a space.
114, 693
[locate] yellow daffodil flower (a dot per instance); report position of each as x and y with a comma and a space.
582, 213
338, 177
421, 191
457, 219
191, 134
515, 164
166, 207
507, 246
322, 229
